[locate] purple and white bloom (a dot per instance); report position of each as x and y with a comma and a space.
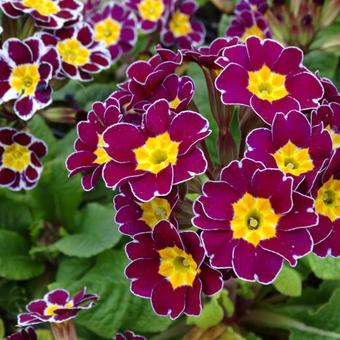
181, 28
267, 77
248, 23
49, 14
26, 70
253, 5
20, 154
115, 27
80, 55
57, 306
129, 335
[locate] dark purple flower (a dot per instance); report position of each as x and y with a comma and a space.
331, 93
293, 146
154, 157
268, 77
79, 53
24, 334
248, 23
90, 156
326, 193
115, 27
20, 154
253, 5
49, 14
26, 69
57, 306
181, 28
134, 217
252, 221
128, 335
167, 266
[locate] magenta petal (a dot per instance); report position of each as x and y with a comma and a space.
331, 245
166, 235
212, 281
141, 247
58, 297
7, 176
260, 139
193, 246
193, 303
322, 230
115, 173
26, 319
37, 306
157, 117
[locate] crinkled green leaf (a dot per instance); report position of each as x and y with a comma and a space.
289, 282
325, 63
325, 268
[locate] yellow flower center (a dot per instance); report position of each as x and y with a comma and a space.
151, 9
254, 219
43, 7
253, 8
50, 310
102, 156
334, 136
293, 160
253, 30
267, 85
73, 52
178, 267
108, 31
174, 103
180, 24
327, 202
16, 157
154, 211
157, 153
25, 78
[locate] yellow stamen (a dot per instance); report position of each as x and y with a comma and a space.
25, 78
253, 30
16, 157
102, 156
154, 211
43, 7
151, 10
180, 24
108, 31
73, 52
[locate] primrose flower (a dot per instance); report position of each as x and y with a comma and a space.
49, 14
326, 193
128, 335
167, 267
79, 53
268, 77
90, 156
253, 5
157, 155
20, 153
27, 333
115, 27
151, 14
26, 69
331, 93
293, 146
181, 29
329, 116
248, 23
252, 221
136, 217
57, 306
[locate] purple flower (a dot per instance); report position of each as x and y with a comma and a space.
252, 221
136, 217
154, 157
49, 14
24, 334
331, 93
181, 29
128, 335
115, 27
167, 267
253, 5
248, 23
298, 152
26, 69
326, 193
267, 77
57, 306
79, 53
90, 156
20, 154
151, 14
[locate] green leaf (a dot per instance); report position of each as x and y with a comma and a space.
2, 329
44, 334
57, 197
226, 302
325, 268
94, 234
223, 24
117, 307
289, 282
15, 262
324, 62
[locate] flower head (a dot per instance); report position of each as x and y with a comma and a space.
24, 334
90, 155
57, 306
49, 14
268, 77
248, 23
167, 266
252, 5
115, 27
181, 29
20, 154
157, 155
79, 53
135, 217
298, 152
128, 335
252, 221
26, 69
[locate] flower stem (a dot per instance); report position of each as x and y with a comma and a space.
64, 331
210, 169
